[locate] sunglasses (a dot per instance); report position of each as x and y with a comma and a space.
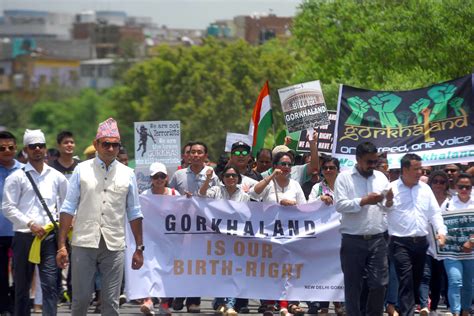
231, 175
372, 162
34, 146
450, 170
426, 172
464, 187
285, 164
107, 145
240, 153
438, 182
328, 168
9, 148
159, 175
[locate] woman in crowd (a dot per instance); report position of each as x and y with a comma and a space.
324, 191
159, 180
461, 271
229, 189
279, 188
431, 282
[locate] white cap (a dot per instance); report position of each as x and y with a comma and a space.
35, 136
279, 149
157, 167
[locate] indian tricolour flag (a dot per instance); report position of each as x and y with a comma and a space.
261, 119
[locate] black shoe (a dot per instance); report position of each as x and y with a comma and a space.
244, 310
97, 309
178, 304
194, 308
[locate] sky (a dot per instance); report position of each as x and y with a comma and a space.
172, 13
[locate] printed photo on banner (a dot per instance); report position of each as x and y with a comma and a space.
460, 226
158, 141
250, 249
325, 136
303, 106
436, 122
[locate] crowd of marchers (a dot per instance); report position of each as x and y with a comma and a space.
62, 225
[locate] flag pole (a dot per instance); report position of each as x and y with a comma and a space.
273, 118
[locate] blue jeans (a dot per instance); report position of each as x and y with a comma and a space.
392, 288
431, 283
23, 273
460, 274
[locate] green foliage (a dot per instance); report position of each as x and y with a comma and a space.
14, 114
79, 114
211, 88
388, 44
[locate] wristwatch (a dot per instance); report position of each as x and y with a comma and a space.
141, 247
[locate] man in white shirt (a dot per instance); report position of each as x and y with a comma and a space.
415, 208
362, 197
188, 181
23, 208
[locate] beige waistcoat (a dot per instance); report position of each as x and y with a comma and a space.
102, 205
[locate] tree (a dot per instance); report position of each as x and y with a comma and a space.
79, 114
211, 88
391, 45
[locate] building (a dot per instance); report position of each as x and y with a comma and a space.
176, 37
31, 72
256, 29
97, 73
223, 29
36, 24
259, 29
110, 34
6, 71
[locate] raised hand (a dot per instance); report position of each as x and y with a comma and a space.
209, 173
419, 106
359, 107
441, 94
385, 104
456, 104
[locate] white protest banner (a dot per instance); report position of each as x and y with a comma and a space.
303, 106
221, 248
460, 224
158, 141
235, 137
